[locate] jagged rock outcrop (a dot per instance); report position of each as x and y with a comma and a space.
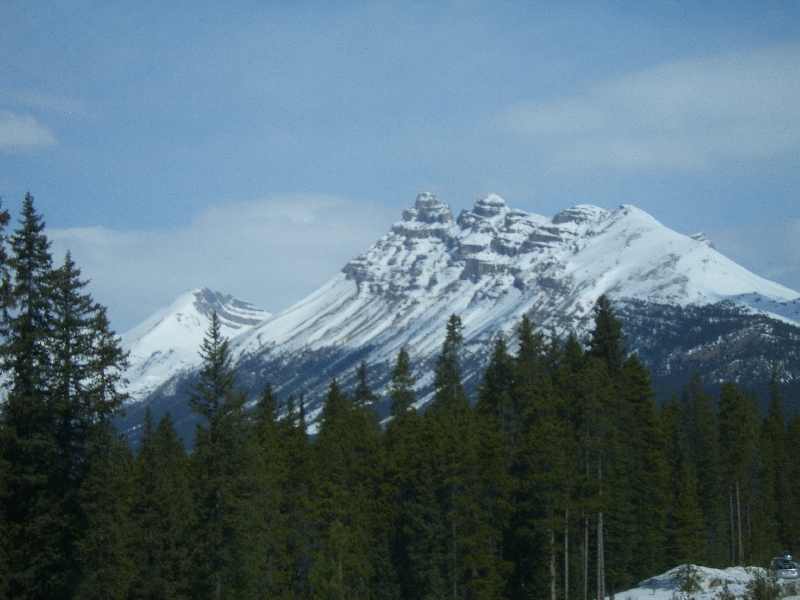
491, 265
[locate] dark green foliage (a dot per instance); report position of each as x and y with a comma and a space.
363, 394
161, 514
780, 504
457, 509
685, 531
689, 545
606, 341
642, 463
350, 464
738, 431
65, 467
563, 480
297, 503
402, 386
226, 482
792, 491
101, 552
702, 434
272, 439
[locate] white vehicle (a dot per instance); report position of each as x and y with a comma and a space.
785, 567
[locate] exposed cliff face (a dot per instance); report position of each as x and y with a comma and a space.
490, 266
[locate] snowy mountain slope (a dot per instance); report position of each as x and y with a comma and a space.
168, 342
490, 266
494, 264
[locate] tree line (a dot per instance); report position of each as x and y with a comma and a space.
562, 479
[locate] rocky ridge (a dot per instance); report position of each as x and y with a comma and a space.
490, 265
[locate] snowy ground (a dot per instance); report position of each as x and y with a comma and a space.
689, 582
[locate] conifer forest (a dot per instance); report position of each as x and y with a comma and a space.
561, 480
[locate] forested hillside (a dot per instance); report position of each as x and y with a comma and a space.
561, 478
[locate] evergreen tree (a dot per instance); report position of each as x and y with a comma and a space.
793, 483
643, 462
703, 443
776, 468
29, 325
738, 432
298, 507
64, 365
363, 395
404, 463
606, 341
102, 550
162, 514
226, 469
39, 529
401, 388
349, 463
685, 528
497, 388
688, 544
540, 472
272, 442
456, 532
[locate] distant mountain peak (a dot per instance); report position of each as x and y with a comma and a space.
490, 206
583, 213
168, 342
232, 311
428, 209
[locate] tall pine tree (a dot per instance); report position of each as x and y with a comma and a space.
229, 536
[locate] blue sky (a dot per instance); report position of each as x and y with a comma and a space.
254, 147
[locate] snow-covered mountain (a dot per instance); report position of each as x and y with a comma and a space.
494, 264
167, 344
490, 266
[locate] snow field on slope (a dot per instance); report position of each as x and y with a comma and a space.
711, 582
490, 267
169, 341
408, 286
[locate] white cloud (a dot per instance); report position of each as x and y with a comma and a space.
681, 115
22, 133
271, 252
49, 102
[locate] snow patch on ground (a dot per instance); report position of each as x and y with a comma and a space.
691, 582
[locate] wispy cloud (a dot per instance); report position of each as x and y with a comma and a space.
23, 133
682, 115
270, 252
38, 100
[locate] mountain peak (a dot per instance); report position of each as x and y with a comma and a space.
490, 206
428, 209
232, 311
169, 341
580, 214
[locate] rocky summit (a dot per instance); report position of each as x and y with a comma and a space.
685, 307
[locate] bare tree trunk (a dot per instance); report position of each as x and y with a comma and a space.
215, 557
552, 540
601, 566
733, 528
739, 519
585, 557
455, 564
566, 554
